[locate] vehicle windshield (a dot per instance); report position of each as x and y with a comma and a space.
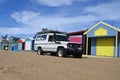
61, 38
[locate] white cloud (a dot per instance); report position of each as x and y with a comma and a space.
30, 17
16, 31
56, 3
34, 22
108, 11
25, 17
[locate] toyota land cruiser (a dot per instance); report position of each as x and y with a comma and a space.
56, 43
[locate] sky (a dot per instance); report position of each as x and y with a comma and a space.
27, 17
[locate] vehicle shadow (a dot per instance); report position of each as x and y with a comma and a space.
70, 56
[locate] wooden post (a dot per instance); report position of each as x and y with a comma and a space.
86, 45
116, 54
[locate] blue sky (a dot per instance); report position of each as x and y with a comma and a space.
26, 17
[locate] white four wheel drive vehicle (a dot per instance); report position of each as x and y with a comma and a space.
56, 43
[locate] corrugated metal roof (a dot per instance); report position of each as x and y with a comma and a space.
76, 33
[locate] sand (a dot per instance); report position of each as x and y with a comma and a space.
30, 66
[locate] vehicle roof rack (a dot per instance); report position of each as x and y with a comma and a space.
50, 31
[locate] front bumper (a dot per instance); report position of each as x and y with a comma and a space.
73, 50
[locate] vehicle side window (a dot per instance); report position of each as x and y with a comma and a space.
44, 37
41, 38
38, 38
50, 38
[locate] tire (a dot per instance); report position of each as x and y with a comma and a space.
77, 55
61, 52
39, 51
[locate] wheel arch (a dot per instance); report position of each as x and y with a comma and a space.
39, 47
59, 47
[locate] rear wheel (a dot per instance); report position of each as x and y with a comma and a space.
61, 52
39, 51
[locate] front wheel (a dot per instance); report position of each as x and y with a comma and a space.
39, 51
61, 52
